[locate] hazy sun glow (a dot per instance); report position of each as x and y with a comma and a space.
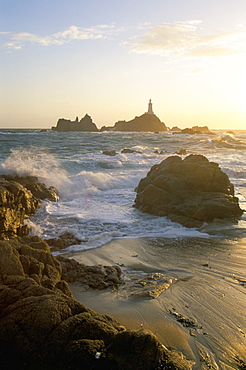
189, 59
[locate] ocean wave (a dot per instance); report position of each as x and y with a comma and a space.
37, 162
235, 173
109, 164
94, 181
228, 141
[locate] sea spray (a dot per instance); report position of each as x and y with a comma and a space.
97, 191
37, 162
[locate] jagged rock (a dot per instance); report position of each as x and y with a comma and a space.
43, 327
187, 130
38, 189
85, 124
202, 129
194, 130
63, 241
189, 191
96, 277
175, 128
181, 152
16, 204
19, 199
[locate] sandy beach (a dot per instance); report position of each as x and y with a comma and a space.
202, 309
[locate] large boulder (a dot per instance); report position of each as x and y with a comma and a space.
43, 327
189, 191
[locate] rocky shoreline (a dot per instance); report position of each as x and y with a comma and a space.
42, 325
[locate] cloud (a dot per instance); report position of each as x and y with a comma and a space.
185, 40
22, 39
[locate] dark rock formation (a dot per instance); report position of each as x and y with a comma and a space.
175, 128
189, 191
106, 128
191, 131
38, 189
19, 199
85, 124
16, 204
96, 277
144, 123
127, 151
43, 327
181, 152
111, 153
63, 241
202, 130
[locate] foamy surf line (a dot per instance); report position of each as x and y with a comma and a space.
104, 238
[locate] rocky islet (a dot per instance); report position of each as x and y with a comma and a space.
189, 191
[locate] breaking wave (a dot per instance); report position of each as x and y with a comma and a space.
35, 162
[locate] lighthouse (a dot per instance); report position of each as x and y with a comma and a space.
150, 110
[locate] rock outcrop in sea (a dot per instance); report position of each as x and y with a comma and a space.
144, 123
85, 124
192, 131
189, 191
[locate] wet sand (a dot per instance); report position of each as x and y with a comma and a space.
202, 313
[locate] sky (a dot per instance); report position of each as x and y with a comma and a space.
107, 58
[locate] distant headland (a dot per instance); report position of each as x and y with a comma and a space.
147, 122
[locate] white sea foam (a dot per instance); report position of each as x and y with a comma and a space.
35, 162
97, 191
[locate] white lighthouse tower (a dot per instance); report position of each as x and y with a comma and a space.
150, 110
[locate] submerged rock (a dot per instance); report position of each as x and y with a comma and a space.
43, 327
189, 191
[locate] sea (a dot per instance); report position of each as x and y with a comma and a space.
97, 191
